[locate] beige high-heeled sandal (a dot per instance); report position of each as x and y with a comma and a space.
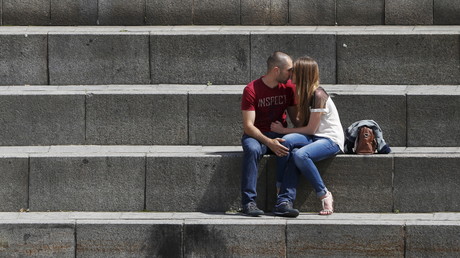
330, 201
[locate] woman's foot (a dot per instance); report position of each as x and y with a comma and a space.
328, 204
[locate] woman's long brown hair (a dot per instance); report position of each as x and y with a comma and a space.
306, 73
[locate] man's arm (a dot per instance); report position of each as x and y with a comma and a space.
249, 118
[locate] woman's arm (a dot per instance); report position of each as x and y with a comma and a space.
310, 129
292, 113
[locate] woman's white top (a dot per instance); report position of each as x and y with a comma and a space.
330, 125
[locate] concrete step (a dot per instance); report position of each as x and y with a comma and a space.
229, 12
204, 178
73, 234
409, 116
226, 54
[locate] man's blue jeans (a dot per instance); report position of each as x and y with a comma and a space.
305, 150
253, 152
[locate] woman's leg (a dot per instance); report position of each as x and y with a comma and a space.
291, 141
304, 158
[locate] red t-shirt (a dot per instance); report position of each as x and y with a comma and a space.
269, 103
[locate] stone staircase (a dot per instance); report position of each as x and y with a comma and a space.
124, 140
131, 234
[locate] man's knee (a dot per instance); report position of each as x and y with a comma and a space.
252, 147
252, 151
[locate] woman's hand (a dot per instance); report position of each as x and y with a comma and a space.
277, 127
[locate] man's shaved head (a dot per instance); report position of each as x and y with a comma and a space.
277, 59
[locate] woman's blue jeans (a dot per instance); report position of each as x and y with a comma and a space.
304, 151
253, 151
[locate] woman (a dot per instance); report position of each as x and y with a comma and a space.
318, 136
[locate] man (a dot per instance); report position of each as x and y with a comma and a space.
264, 101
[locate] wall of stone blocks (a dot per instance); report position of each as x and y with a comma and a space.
120, 12
42, 119
142, 119
23, 59
359, 56
201, 58
405, 12
161, 12
54, 239
213, 182
208, 109
305, 239
136, 181
360, 12
103, 58
74, 12
419, 105
15, 183
203, 237
264, 12
229, 58
230, 12
392, 183
133, 239
184, 117
422, 182
311, 12
446, 12
27, 12
92, 184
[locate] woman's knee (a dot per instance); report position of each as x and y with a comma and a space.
292, 140
300, 157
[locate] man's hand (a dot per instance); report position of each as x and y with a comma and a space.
277, 148
273, 144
